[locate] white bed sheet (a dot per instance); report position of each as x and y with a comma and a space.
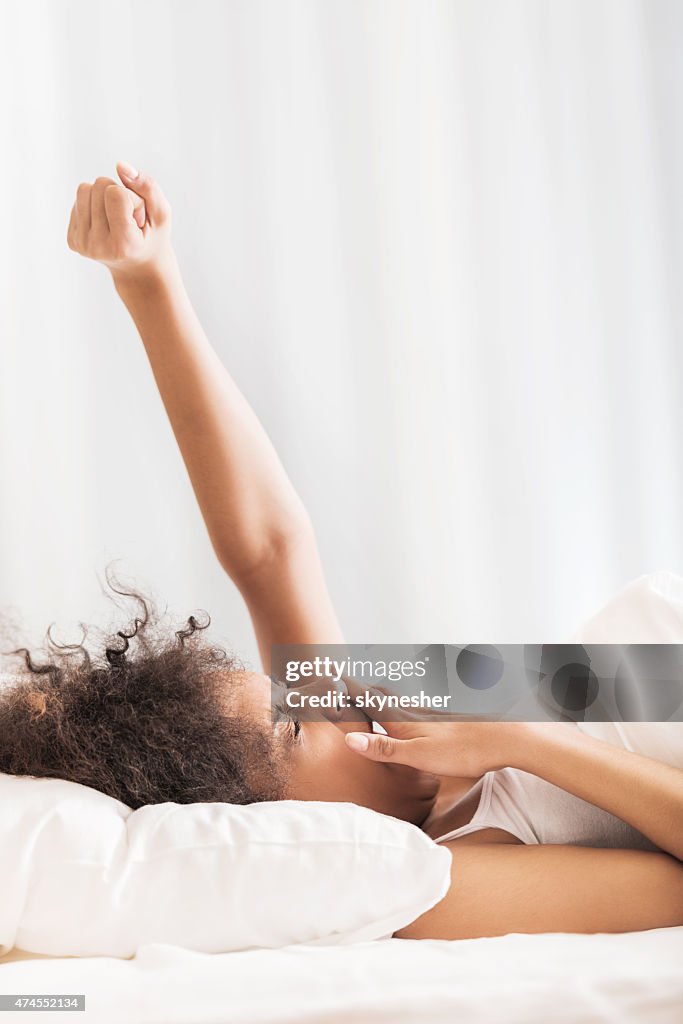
530, 979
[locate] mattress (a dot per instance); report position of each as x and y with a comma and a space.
530, 979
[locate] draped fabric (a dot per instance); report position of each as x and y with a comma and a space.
438, 245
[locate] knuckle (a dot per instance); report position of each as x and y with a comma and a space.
120, 250
384, 746
114, 195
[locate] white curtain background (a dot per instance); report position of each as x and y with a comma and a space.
439, 247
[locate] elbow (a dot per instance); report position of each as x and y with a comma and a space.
251, 558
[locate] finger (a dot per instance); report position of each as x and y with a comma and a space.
139, 211
71, 230
389, 713
82, 214
147, 188
98, 214
369, 700
359, 694
125, 211
378, 747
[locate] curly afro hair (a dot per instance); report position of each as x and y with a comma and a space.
146, 718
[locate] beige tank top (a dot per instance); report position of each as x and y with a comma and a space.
537, 812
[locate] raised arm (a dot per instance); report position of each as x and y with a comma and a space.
257, 523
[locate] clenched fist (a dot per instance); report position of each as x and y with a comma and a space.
125, 226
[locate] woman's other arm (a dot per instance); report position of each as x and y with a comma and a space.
641, 791
497, 889
256, 521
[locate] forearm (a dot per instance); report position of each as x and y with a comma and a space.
641, 791
250, 507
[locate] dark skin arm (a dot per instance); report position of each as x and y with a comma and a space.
498, 888
258, 526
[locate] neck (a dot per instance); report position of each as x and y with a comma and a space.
454, 807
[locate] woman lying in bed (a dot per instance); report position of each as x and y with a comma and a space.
550, 829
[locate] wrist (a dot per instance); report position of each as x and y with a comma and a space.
523, 745
541, 744
512, 745
144, 280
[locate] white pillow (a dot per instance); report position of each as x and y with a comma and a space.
81, 874
648, 610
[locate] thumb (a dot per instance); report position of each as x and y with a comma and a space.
145, 186
377, 747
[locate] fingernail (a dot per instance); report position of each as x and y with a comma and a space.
128, 171
357, 741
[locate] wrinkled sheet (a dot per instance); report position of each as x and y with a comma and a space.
635, 977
